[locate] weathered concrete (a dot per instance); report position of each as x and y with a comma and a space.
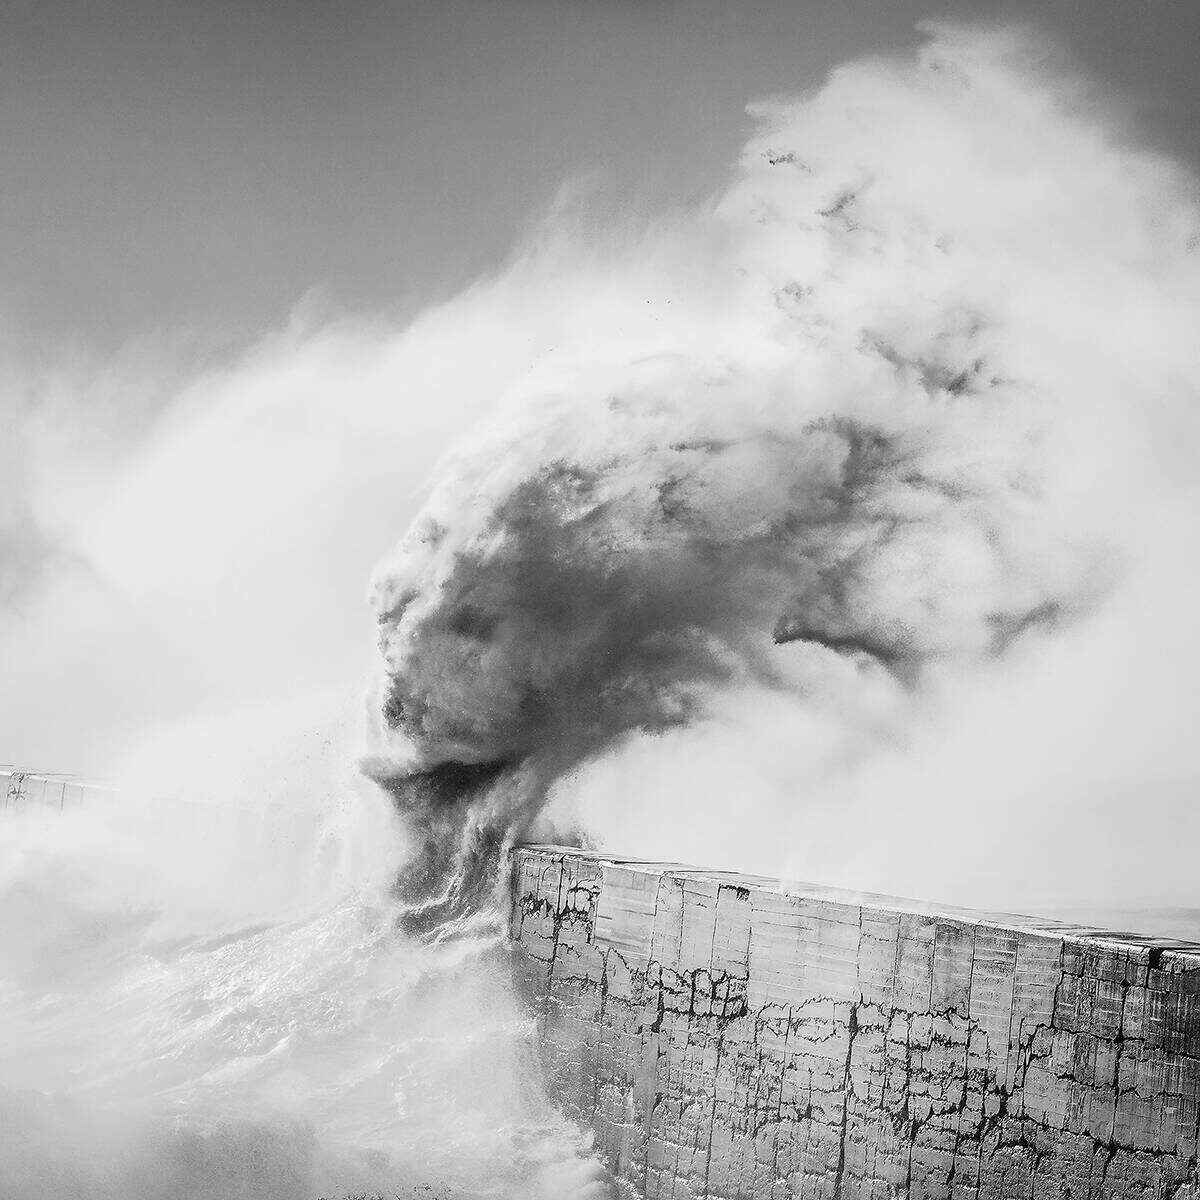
729, 1036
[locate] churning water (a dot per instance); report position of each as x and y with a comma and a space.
213, 1003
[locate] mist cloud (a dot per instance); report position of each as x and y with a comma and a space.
858, 425
830, 484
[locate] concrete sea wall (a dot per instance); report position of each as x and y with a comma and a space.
735, 1037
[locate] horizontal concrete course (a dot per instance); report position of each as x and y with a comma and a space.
736, 1037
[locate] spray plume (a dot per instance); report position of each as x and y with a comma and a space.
829, 433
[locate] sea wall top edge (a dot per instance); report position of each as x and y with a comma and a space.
1144, 944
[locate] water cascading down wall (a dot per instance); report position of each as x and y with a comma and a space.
735, 1037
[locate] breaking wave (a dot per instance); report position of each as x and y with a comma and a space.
169, 1029
827, 435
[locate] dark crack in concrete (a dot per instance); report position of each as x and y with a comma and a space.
741, 1039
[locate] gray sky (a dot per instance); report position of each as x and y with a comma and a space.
198, 167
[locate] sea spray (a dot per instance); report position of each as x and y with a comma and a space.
163, 1041
858, 432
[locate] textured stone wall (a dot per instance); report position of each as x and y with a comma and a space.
733, 1037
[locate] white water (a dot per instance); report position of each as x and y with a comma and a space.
206, 1003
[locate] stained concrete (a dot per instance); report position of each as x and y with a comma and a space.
735, 1037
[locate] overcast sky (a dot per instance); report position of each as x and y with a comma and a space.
196, 168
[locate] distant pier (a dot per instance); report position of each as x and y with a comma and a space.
21, 790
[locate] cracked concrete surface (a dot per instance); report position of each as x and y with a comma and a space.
736, 1038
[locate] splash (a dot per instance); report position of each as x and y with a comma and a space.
841, 444
177, 1023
